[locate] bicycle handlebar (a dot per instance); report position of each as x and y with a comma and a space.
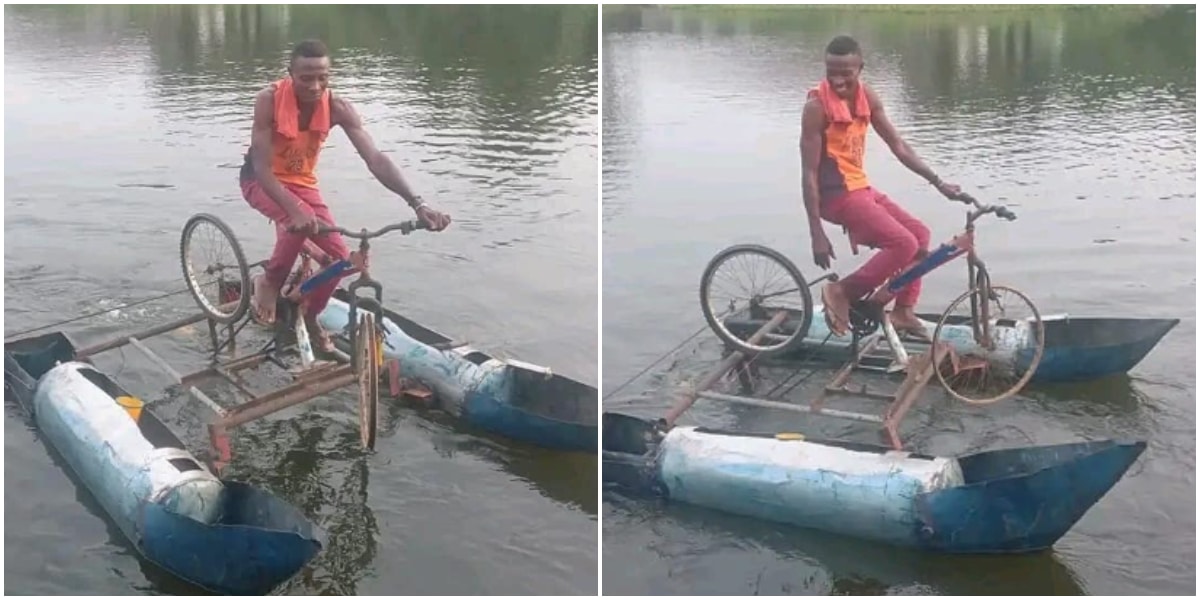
981, 209
405, 227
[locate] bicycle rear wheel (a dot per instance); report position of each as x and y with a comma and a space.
992, 360
771, 283
214, 268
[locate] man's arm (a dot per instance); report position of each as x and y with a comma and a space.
377, 162
260, 153
812, 123
883, 126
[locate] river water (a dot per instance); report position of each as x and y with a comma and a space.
121, 122
1083, 122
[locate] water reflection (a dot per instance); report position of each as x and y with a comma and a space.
1010, 61
619, 121
801, 561
325, 474
511, 82
569, 478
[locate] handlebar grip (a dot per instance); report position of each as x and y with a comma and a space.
965, 198
1004, 213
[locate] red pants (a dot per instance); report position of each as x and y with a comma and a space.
288, 244
874, 220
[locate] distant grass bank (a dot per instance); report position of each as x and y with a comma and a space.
901, 8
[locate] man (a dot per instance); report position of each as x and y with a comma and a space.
832, 142
292, 118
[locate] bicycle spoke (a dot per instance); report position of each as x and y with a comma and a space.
982, 371
213, 265
741, 281
211, 272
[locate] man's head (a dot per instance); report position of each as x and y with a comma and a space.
309, 69
843, 63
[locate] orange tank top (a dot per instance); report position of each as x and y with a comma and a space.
294, 152
843, 143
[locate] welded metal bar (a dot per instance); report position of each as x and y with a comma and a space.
893, 339
317, 371
245, 362
236, 380
838, 383
715, 375
175, 376
286, 397
843, 374
800, 408
863, 393
153, 331
156, 359
213, 335
911, 389
201, 396
229, 368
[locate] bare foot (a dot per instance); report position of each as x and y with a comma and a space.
321, 342
263, 301
904, 317
904, 320
837, 308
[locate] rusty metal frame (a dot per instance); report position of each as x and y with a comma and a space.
307, 385
920, 368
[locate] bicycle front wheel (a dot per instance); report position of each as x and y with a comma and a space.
755, 283
367, 354
992, 360
214, 268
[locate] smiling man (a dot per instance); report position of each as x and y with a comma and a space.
292, 118
832, 144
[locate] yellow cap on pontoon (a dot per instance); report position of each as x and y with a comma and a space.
132, 405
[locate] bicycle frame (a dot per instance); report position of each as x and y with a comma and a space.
339, 268
977, 276
356, 263
963, 243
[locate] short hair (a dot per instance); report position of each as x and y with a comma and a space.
843, 45
310, 49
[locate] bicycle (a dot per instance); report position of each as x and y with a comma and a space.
232, 304
1011, 348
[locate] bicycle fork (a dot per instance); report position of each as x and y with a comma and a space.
363, 280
